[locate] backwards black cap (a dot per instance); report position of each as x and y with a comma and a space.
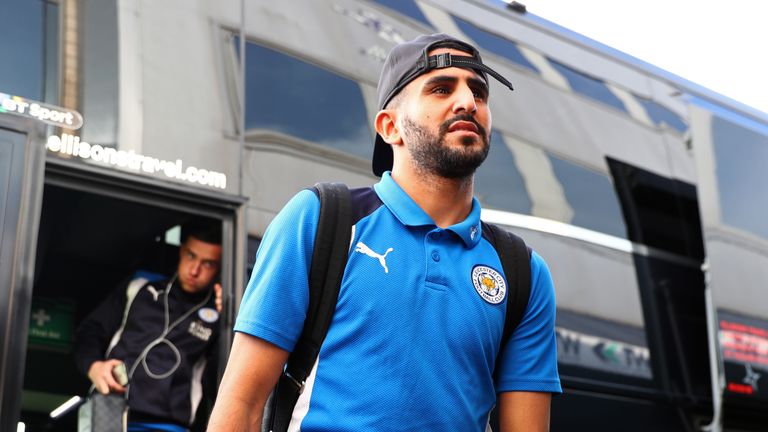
409, 60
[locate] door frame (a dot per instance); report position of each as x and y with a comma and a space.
90, 178
18, 243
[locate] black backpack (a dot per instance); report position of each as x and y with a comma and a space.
329, 259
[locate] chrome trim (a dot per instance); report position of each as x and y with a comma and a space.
562, 229
716, 372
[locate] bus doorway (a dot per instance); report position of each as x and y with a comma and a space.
97, 230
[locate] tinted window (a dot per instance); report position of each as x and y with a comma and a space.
660, 212
406, 7
29, 46
99, 94
588, 86
299, 99
495, 44
741, 156
592, 198
51, 53
663, 115
498, 183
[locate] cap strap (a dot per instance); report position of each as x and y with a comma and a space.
445, 60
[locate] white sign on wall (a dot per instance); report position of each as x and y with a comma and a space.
71, 145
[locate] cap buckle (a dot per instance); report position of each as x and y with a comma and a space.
443, 60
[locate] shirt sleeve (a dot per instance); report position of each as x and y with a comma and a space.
275, 302
529, 359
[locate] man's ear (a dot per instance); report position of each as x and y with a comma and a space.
386, 126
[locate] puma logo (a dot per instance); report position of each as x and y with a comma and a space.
363, 248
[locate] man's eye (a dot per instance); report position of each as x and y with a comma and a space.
479, 94
440, 90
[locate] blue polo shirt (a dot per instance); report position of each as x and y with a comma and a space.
418, 322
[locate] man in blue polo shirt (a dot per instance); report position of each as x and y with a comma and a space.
415, 335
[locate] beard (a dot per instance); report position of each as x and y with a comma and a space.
431, 154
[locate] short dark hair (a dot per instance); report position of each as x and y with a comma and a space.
205, 230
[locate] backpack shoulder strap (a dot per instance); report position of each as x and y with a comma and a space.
329, 259
515, 258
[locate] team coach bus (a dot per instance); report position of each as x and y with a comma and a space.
641, 189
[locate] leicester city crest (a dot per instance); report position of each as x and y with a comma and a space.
489, 284
208, 315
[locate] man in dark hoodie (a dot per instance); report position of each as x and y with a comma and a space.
162, 332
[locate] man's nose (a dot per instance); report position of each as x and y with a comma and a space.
195, 269
465, 101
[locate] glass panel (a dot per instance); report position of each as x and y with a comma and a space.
407, 8
741, 155
663, 115
52, 53
99, 71
591, 197
495, 44
588, 86
498, 183
299, 99
21, 48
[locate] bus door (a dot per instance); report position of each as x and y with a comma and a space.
731, 151
21, 177
98, 229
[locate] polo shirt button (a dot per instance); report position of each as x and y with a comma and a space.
435, 256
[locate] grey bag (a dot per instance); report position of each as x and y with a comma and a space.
103, 413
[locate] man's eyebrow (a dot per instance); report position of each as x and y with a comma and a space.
441, 79
447, 79
480, 84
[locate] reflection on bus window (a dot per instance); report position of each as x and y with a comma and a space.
406, 7
495, 44
592, 198
741, 175
305, 101
589, 86
608, 346
498, 183
29, 42
662, 115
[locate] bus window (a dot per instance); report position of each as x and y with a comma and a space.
290, 96
591, 196
741, 153
408, 8
30, 36
498, 182
495, 44
589, 86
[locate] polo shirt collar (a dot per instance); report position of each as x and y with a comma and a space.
405, 209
